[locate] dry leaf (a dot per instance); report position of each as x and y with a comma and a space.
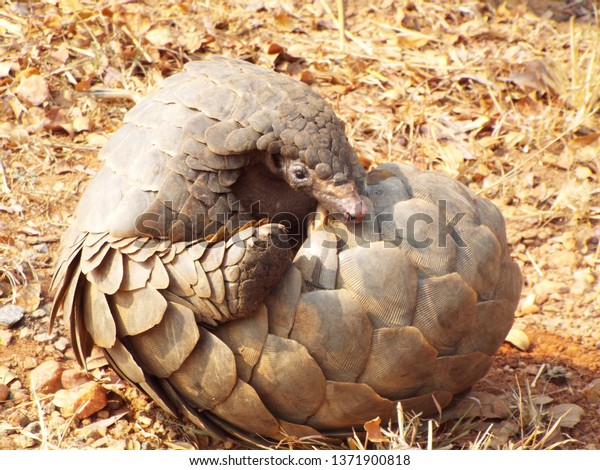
29, 297
100, 424
412, 39
518, 339
160, 37
374, 430
284, 22
568, 413
81, 123
33, 90
479, 404
5, 68
502, 432
592, 392
60, 54
538, 75
70, 6
6, 376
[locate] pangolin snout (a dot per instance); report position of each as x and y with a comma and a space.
353, 208
342, 200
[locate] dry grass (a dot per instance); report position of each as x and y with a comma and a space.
503, 97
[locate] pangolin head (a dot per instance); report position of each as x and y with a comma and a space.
311, 153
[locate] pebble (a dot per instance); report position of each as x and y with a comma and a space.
584, 280
19, 396
11, 314
528, 306
4, 392
592, 392
25, 333
72, 378
82, 401
18, 418
544, 289
45, 337
29, 363
23, 442
62, 344
45, 378
16, 385
5, 337
39, 313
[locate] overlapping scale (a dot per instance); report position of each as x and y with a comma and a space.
399, 360
382, 280
163, 348
207, 375
335, 330
288, 379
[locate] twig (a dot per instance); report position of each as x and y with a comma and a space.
341, 7
368, 49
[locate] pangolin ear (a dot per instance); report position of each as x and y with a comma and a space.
275, 163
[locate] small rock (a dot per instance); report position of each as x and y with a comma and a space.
16, 385
82, 401
18, 418
20, 396
61, 344
29, 363
544, 289
528, 306
11, 314
592, 392
5, 337
23, 442
39, 313
144, 421
25, 333
584, 281
4, 392
103, 414
72, 378
33, 428
45, 378
45, 337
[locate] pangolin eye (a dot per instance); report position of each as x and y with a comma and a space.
300, 173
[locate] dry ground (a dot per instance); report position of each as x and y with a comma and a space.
504, 97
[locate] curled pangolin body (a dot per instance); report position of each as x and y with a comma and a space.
217, 322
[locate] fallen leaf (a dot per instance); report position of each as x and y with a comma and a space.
518, 339
81, 123
502, 432
33, 90
569, 414
29, 296
5, 68
100, 424
373, 429
539, 75
541, 400
408, 38
479, 404
284, 22
160, 37
6, 376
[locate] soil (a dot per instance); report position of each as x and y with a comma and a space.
48, 156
